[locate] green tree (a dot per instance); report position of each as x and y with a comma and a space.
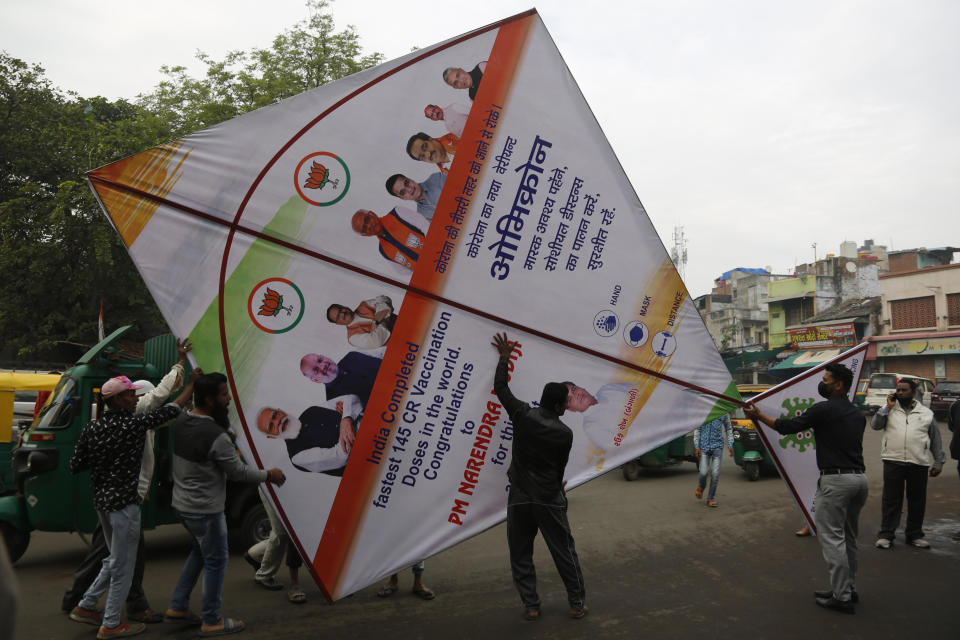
729, 333
59, 256
310, 54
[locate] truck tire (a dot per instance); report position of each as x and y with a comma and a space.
254, 527
752, 469
17, 541
631, 470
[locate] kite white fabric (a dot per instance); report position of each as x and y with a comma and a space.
354, 324
796, 454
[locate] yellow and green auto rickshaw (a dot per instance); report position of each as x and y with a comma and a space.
17, 388
47, 497
672, 453
748, 450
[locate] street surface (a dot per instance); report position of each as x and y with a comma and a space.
657, 563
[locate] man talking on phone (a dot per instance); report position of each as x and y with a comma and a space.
910, 451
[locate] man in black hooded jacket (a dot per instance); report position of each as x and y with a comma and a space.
537, 501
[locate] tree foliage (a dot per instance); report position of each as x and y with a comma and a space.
308, 55
59, 256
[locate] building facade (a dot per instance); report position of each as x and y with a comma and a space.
920, 316
814, 289
735, 312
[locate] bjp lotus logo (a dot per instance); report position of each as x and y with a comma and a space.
318, 179
272, 304
275, 305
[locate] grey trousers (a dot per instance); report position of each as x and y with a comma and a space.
840, 497
523, 522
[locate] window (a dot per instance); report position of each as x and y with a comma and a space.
883, 381
953, 308
61, 408
913, 313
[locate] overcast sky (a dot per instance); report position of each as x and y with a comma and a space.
760, 127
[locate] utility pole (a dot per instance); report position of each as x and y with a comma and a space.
679, 252
814, 245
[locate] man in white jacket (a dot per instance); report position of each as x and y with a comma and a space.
911, 450
138, 608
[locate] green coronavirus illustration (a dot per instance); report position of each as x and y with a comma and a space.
793, 407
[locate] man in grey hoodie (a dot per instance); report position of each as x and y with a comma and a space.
204, 459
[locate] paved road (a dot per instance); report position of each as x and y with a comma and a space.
657, 563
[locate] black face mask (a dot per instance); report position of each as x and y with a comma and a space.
824, 390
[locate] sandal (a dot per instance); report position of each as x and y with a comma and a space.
711, 502
698, 493
296, 596
386, 590
229, 626
189, 618
424, 594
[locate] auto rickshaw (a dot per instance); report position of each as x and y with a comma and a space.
13, 383
50, 498
674, 452
860, 397
748, 450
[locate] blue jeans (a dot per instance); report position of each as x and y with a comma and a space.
710, 463
121, 531
208, 554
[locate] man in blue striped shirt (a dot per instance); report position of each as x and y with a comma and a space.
708, 440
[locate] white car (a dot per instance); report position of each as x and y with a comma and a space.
23, 404
883, 384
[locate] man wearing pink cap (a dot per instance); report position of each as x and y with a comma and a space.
111, 447
149, 397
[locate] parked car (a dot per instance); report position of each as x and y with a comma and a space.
944, 394
883, 384
24, 402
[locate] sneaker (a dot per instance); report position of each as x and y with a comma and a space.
580, 612
920, 543
883, 543
531, 614
836, 605
86, 616
270, 584
956, 536
122, 630
827, 594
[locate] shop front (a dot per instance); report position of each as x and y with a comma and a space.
934, 354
